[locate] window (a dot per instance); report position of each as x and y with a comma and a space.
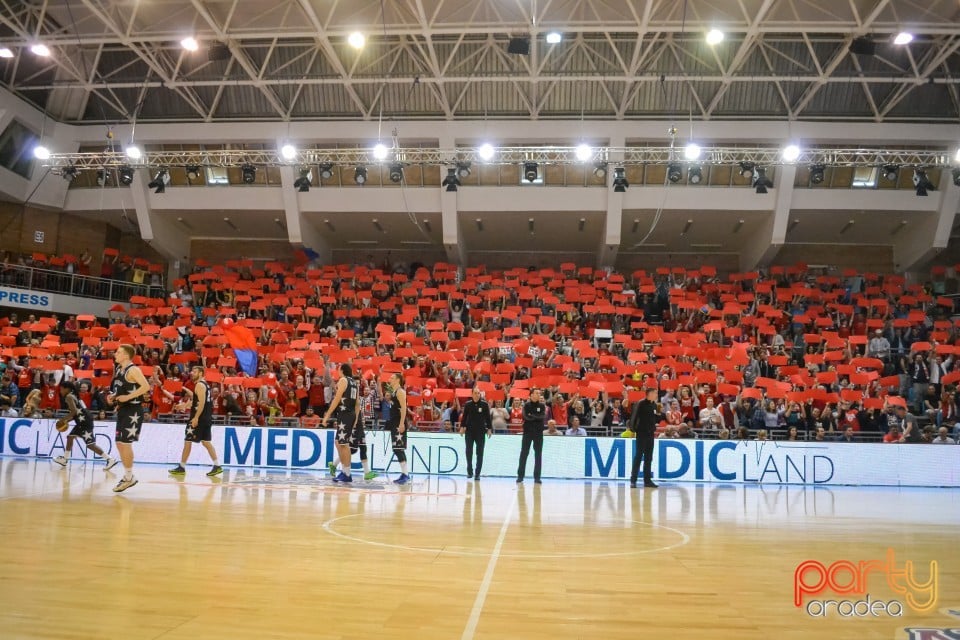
16, 149
217, 175
865, 177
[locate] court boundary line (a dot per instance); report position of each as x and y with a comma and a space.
481, 598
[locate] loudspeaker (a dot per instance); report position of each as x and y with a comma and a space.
519, 46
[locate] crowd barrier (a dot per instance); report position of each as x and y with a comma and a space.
808, 463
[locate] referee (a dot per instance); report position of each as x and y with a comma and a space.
474, 421
643, 421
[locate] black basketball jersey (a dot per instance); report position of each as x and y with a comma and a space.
206, 416
348, 402
120, 386
83, 418
395, 409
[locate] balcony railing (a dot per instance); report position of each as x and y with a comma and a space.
72, 284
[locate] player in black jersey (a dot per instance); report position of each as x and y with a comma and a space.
127, 391
83, 426
345, 405
199, 426
397, 425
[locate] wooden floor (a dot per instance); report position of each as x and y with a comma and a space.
259, 554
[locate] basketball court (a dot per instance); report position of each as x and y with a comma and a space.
268, 554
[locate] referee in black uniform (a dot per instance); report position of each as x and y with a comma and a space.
643, 422
475, 423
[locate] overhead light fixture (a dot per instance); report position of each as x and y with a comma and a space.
288, 151
956, 156
674, 172
486, 151
761, 182
686, 228
40, 49
691, 151
302, 183
530, 225
620, 183
746, 170
249, 173
230, 224
695, 174
530, 171
921, 182
847, 226
554, 37
396, 172
739, 225
903, 38
791, 152
190, 43
380, 151
479, 224
330, 226
70, 173
160, 181
714, 36
426, 225
378, 226
6, 52
280, 223
356, 40
101, 177
463, 169
636, 225
584, 152
897, 229
891, 172
193, 172
583, 223
133, 152
452, 181
40, 152
326, 170
793, 224
816, 173
955, 172
360, 175
600, 170
126, 175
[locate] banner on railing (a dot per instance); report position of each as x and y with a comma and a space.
55, 302
808, 463
25, 299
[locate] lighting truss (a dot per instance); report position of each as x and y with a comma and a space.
765, 156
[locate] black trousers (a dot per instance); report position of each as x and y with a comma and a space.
479, 439
536, 439
645, 453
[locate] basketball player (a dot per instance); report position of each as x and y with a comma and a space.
359, 444
643, 421
344, 403
397, 424
199, 426
127, 391
83, 426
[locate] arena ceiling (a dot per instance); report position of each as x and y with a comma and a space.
116, 61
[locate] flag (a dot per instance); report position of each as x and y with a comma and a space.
244, 346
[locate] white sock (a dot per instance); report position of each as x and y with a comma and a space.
366, 465
403, 468
128, 475
216, 461
66, 454
104, 456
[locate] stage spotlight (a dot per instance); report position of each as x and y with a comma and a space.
133, 152
193, 172
584, 152
40, 152
530, 171
396, 172
452, 181
714, 36
674, 172
816, 174
302, 184
126, 176
249, 173
891, 172
691, 151
600, 170
760, 181
101, 177
326, 170
921, 182
746, 170
486, 151
620, 183
360, 175
695, 174
554, 37
902, 38
160, 181
463, 169
70, 173
288, 151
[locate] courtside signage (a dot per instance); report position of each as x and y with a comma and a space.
721, 461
